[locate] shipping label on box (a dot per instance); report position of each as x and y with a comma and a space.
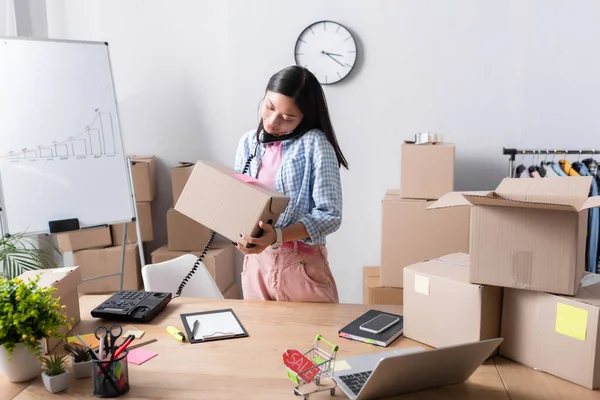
555, 334
528, 233
442, 308
144, 210
411, 234
421, 176
229, 203
97, 262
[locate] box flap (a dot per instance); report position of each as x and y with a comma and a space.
570, 191
141, 158
457, 199
565, 194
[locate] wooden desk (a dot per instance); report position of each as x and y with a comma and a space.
252, 368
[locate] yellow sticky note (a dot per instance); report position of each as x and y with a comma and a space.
89, 338
571, 321
341, 365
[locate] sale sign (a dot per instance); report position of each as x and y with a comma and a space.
302, 366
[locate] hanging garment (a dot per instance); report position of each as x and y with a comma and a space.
557, 169
593, 225
568, 168
550, 172
592, 166
521, 172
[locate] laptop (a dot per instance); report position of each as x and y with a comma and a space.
392, 373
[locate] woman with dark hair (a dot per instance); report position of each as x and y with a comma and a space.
294, 151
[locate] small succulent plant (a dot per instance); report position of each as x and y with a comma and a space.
55, 364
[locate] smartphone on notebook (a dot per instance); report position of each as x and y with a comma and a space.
379, 324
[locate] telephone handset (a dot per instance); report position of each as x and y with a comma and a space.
264, 137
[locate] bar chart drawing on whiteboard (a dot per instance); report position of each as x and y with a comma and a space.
96, 140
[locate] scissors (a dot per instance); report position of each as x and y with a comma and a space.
108, 337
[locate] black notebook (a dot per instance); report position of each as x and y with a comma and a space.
352, 330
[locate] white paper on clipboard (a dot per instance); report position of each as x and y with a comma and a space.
214, 325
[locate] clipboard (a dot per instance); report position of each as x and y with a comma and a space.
213, 325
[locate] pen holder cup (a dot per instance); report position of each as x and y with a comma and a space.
111, 378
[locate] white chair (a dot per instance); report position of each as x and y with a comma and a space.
167, 276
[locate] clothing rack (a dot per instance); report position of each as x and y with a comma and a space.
513, 152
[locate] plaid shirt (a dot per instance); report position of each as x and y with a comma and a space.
309, 175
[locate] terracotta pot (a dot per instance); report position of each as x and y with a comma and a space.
23, 365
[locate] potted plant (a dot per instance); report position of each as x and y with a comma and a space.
56, 375
81, 362
21, 252
28, 314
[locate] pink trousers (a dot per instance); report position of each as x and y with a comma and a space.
293, 272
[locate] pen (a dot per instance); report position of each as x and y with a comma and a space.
195, 329
176, 333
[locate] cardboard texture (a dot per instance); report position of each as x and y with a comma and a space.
84, 239
146, 226
442, 308
411, 234
143, 171
528, 233
185, 234
233, 292
555, 334
371, 278
421, 176
65, 280
179, 177
97, 262
219, 261
219, 198
384, 295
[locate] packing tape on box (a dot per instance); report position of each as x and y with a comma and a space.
428, 138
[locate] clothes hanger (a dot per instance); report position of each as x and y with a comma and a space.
519, 170
534, 170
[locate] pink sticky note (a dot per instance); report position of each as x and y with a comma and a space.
245, 178
140, 356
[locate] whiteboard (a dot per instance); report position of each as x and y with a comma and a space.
61, 150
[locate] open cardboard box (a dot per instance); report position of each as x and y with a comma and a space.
65, 280
528, 233
227, 202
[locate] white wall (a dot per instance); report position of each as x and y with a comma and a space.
190, 74
7, 18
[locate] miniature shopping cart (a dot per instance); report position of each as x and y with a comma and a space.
312, 371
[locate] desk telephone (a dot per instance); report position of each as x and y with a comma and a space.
264, 137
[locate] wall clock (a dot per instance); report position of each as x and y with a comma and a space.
328, 50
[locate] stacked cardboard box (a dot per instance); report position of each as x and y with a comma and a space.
410, 233
528, 239
98, 251
184, 235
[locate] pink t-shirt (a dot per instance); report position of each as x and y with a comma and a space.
269, 166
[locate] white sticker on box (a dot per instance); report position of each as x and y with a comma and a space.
422, 284
590, 279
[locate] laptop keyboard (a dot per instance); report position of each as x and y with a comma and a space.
355, 381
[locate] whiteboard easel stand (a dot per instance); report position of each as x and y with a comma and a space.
124, 238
